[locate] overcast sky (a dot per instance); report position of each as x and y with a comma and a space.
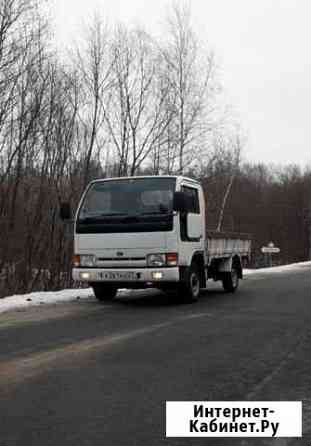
263, 49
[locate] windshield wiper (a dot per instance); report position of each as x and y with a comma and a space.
115, 214
99, 216
122, 217
167, 212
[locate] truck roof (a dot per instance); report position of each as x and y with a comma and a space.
147, 176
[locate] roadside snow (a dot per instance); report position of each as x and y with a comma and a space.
21, 301
277, 269
43, 297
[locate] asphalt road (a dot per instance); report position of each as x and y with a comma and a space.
99, 374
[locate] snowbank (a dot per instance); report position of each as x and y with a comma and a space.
43, 297
277, 269
52, 297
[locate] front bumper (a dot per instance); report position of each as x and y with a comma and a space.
140, 276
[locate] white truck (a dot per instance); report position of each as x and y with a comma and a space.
150, 231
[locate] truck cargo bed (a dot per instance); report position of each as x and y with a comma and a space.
226, 244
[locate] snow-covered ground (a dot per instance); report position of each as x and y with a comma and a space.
43, 297
22, 301
277, 269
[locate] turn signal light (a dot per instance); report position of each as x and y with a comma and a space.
172, 258
76, 261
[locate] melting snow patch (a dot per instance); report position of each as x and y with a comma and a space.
277, 269
43, 297
22, 301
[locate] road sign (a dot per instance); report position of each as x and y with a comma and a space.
270, 250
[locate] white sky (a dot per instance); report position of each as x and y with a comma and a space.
263, 48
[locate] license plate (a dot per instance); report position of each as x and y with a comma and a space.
117, 275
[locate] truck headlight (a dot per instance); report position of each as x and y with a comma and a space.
168, 259
84, 260
156, 260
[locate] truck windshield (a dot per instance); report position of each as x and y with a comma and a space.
129, 205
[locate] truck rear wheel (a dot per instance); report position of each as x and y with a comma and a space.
230, 281
104, 292
190, 290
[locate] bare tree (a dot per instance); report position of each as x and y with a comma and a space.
37, 136
93, 62
191, 71
233, 146
136, 118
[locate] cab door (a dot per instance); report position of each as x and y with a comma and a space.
189, 244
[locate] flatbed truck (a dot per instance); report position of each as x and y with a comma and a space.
150, 231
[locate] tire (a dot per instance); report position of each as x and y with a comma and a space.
230, 282
104, 293
189, 291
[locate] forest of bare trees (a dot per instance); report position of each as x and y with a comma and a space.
122, 103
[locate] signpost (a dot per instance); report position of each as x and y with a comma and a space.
269, 250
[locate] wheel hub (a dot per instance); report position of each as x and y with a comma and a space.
234, 277
195, 284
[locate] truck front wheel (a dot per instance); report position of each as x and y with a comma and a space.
104, 292
230, 281
190, 289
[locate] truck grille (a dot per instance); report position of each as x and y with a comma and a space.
121, 259
121, 262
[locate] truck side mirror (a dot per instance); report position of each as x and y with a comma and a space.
65, 211
180, 202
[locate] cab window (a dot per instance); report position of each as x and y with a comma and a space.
193, 195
